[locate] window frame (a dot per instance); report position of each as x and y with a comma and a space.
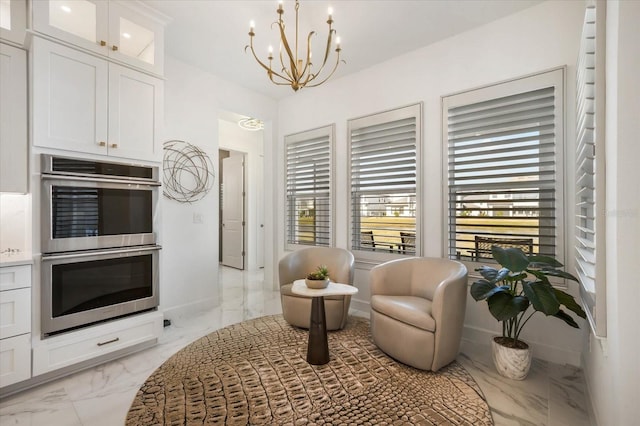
328, 131
407, 111
555, 77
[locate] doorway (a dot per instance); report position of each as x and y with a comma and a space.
232, 208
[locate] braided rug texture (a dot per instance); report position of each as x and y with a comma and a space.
256, 373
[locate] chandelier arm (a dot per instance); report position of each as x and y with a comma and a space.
284, 68
306, 71
268, 69
285, 43
335, 67
324, 62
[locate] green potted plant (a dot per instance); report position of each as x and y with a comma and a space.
318, 278
515, 292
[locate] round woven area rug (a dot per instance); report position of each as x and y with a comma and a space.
256, 373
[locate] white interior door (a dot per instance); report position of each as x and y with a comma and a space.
260, 212
233, 211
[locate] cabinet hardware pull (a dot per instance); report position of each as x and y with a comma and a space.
102, 143
114, 48
114, 145
108, 341
103, 43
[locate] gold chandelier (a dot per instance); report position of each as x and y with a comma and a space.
297, 72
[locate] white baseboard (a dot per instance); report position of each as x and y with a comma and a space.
189, 308
540, 350
360, 305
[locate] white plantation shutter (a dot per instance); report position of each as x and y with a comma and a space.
590, 221
308, 163
384, 171
503, 177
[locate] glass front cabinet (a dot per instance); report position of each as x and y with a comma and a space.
127, 32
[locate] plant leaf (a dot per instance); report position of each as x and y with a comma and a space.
559, 273
511, 258
538, 261
479, 288
504, 306
569, 302
542, 296
566, 318
488, 273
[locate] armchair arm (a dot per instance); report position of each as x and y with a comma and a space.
448, 310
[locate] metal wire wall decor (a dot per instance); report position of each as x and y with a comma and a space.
187, 170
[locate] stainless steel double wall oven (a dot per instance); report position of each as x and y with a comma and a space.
99, 248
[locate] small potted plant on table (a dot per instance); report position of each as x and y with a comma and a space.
319, 278
510, 292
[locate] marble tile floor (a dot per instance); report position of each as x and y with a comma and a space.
552, 395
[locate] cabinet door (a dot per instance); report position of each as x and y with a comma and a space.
13, 119
135, 101
15, 312
13, 20
69, 98
135, 38
80, 22
15, 359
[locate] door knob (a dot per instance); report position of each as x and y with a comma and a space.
101, 143
103, 43
114, 145
114, 48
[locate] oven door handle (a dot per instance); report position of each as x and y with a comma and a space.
103, 180
76, 255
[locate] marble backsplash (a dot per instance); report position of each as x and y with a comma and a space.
15, 222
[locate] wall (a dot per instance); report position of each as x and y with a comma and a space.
233, 138
536, 39
611, 365
15, 216
193, 100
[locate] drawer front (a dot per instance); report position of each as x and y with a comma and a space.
12, 277
15, 359
62, 351
15, 312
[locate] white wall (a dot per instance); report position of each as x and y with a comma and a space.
15, 216
193, 100
611, 365
233, 138
536, 39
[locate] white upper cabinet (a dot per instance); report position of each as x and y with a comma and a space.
13, 119
13, 20
83, 103
127, 32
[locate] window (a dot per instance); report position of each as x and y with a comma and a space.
309, 205
590, 220
504, 143
384, 149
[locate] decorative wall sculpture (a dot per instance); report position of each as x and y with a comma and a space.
188, 173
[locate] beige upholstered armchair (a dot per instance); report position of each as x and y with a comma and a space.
296, 265
417, 310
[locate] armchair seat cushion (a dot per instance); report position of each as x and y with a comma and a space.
411, 310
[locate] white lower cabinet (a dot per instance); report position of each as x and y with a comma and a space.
86, 104
15, 324
15, 359
77, 346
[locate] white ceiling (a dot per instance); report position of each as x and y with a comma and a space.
212, 34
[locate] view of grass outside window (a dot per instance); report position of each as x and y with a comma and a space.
502, 179
383, 161
308, 162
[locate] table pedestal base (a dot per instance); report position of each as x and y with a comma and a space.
318, 347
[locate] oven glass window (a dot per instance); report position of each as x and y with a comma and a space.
91, 212
83, 286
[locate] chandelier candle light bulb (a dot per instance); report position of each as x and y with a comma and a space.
296, 72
